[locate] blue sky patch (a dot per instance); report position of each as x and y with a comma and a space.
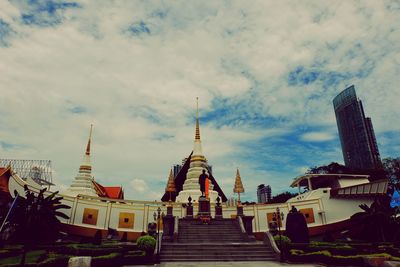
238, 112
77, 110
139, 28
7, 146
160, 13
149, 114
300, 76
162, 136
43, 13
288, 152
5, 32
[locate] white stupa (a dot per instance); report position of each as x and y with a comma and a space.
83, 182
198, 163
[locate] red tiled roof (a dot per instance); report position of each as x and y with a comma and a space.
3, 170
115, 192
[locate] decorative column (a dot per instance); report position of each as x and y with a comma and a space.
218, 209
170, 189
238, 188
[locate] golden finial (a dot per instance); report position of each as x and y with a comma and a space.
90, 137
197, 136
238, 188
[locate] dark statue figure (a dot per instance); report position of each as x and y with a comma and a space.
296, 227
202, 182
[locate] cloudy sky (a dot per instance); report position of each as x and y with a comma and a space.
265, 73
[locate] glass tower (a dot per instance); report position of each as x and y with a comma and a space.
357, 137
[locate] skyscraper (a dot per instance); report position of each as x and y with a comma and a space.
263, 193
176, 169
357, 137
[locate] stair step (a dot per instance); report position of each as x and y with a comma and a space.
228, 258
210, 253
218, 241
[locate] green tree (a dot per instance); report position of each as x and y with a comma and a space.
333, 167
392, 169
35, 218
282, 197
376, 223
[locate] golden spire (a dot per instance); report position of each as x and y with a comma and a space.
238, 185
90, 137
170, 185
197, 136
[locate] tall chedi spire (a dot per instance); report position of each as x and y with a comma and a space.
198, 163
83, 182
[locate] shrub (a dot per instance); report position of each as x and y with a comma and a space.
97, 238
88, 249
147, 244
112, 259
124, 237
285, 240
295, 252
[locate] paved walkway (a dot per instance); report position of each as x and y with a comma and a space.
229, 264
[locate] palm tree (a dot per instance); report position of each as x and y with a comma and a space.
36, 218
376, 222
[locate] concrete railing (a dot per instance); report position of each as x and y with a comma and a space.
176, 228
270, 241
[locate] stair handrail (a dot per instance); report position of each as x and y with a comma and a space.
270, 241
176, 228
241, 224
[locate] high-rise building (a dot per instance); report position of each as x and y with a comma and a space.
263, 193
176, 169
357, 137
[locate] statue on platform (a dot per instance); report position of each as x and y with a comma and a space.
202, 181
296, 227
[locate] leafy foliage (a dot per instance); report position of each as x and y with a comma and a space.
379, 222
146, 243
333, 167
285, 240
282, 197
35, 217
392, 169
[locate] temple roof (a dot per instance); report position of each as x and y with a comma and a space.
115, 192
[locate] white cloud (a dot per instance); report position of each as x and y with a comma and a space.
317, 136
139, 185
139, 91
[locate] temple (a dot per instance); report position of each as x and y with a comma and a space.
187, 180
84, 183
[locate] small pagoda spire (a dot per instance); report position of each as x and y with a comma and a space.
170, 185
238, 188
197, 136
90, 138
83, 182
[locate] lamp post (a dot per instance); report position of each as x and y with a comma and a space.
157, 217
279, 217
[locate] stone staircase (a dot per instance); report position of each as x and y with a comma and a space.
221, 240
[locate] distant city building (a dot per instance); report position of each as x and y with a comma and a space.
263, 193
176, 169
357, 137
231, 202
